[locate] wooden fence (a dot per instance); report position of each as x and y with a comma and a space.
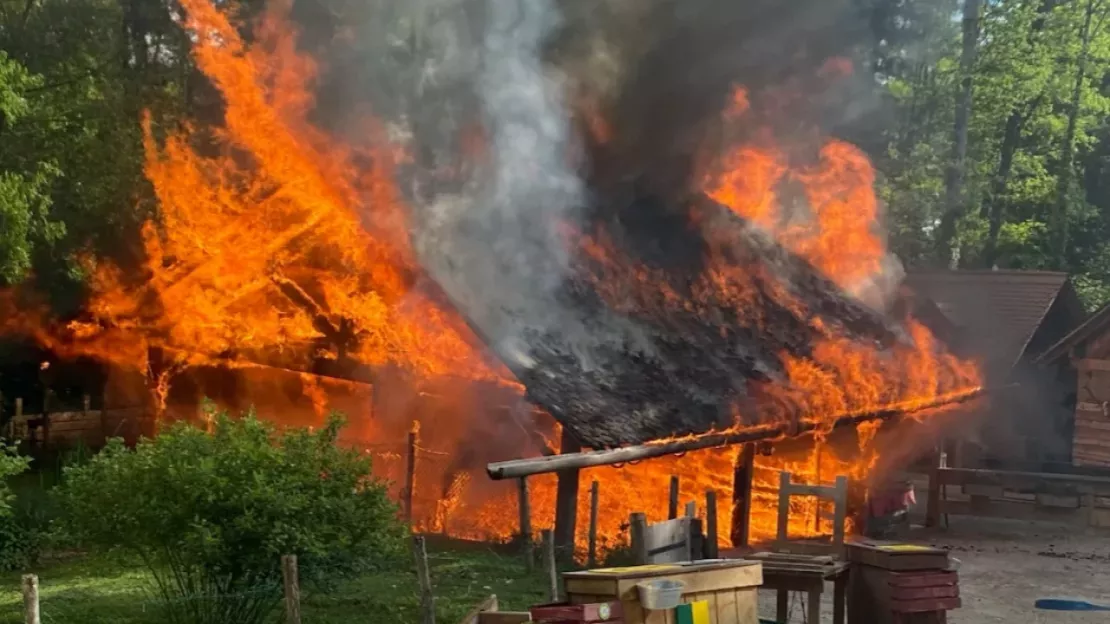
1079, 500
68, 429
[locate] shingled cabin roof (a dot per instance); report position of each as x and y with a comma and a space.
1094, 327
649, 370
1002, 315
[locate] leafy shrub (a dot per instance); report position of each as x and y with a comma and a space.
211, 512
18, 539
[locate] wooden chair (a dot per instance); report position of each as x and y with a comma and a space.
670, 541
804, 566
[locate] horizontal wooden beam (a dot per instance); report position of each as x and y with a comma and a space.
518, 468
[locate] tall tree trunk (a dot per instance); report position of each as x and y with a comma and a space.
947, 246
1067, 152
995, 206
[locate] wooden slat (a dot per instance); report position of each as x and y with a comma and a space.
1088, 364
1017, 511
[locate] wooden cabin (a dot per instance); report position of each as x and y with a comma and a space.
1008, 319
1086, 350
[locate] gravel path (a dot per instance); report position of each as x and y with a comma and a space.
1007, 565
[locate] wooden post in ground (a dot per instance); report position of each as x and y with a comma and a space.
740, 531
711, 540
525, 508
292, 585
549, 566
932, 506
591, 553
424, 578
18, 415
637, 532
410, 473
672, 502
566, 501
31, 599
46, 401
691, 509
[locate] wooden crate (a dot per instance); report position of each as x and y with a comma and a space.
728, 586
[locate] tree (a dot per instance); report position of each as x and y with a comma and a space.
211, 512
24, 200
954, 200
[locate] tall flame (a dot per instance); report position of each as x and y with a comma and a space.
276, 238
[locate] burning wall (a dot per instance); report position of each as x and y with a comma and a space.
282, 243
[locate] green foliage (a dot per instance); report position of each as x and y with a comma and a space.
211, 513
18, 541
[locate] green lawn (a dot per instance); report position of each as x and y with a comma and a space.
85, 590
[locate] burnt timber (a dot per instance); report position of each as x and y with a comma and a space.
520, 468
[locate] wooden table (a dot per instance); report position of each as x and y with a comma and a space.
728, 586
803, 573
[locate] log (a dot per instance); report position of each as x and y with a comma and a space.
525, 509
591, 553
566, 502
672, 502
740, 530
517, 468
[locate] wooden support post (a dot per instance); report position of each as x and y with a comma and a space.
932, 506
566, 502
711, 540
410, 474
783, 531
424, 578
672, 502
691, 509
637, 532
591, 553
46, 401
18, 413
740, 531
549, 566
292, 585
31, 599
525, 508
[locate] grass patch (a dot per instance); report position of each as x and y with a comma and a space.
100, 590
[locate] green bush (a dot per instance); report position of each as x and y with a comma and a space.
211, 513
18, 539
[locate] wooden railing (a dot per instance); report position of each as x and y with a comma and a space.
1079, 500
88, 427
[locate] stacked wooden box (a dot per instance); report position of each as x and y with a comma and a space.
566, 613
894, 583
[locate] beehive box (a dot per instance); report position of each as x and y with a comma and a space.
729, 588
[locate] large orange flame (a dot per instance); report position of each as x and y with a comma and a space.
277, 242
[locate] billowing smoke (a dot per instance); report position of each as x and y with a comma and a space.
495, 244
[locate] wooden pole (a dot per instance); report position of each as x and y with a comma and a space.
292, 589
672, 502
711, 540
549, 565
18, 413
31, 599
566, 502
424, 577
591, 556
46, 417
637, 530
740, 531
525, 508
410, 475
691, 509
932, 505
514, 469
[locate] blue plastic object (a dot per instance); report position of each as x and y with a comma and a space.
1063, 604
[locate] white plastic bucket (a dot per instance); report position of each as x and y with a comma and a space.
660, 594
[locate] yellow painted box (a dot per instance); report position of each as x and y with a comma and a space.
727, 587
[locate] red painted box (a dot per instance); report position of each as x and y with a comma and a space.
564, 613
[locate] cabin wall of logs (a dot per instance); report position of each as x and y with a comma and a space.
58, 430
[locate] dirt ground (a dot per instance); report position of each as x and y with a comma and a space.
1004, 567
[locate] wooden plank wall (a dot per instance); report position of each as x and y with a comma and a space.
90, 428
1091, 443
